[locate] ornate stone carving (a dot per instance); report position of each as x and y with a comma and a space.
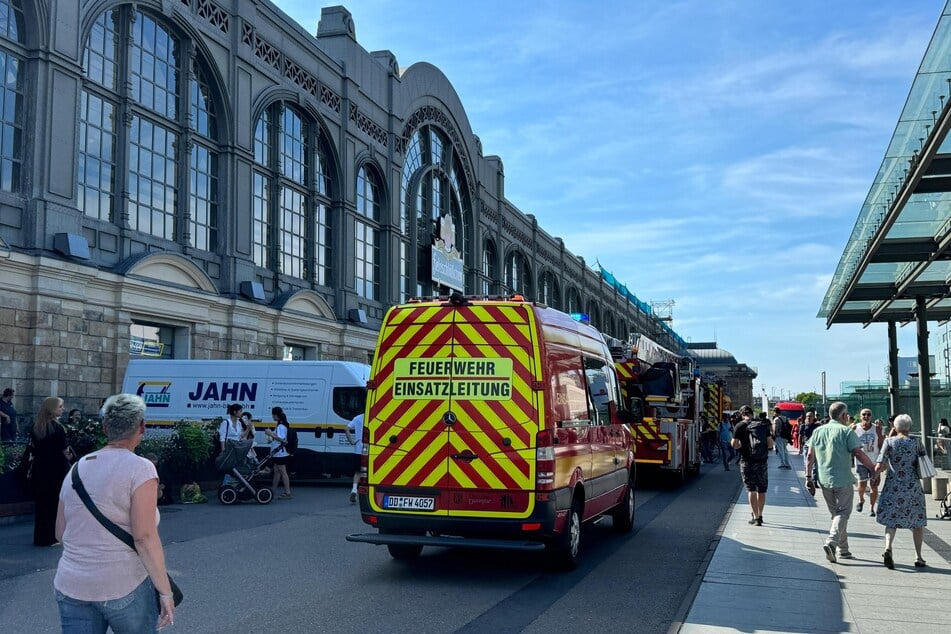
488, 211
301, 77
290, 69
370, 128
215, 15
329, 98
516, 233
269, 53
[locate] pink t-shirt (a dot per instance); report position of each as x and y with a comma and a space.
95, 565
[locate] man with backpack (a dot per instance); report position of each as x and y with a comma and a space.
832, 448
753, 440
782, 436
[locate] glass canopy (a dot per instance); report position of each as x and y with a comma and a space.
899, 247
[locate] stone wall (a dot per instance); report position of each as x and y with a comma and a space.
77, 347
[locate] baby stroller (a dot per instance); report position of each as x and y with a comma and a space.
945, 513
240, 471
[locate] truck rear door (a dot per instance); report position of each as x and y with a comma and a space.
453, 411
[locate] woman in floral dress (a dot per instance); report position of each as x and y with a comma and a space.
902, 502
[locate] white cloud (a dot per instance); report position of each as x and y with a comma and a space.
713, 153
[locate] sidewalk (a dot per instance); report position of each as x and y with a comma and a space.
775, 578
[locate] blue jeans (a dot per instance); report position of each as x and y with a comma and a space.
783, 453
135, 612
727, 453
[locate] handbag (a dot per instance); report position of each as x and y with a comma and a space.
925, 466
24, 470
122, 535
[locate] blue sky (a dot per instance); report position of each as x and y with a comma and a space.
713, 153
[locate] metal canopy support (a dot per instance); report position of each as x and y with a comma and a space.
892, 369
924, 371
889, 291
905, 250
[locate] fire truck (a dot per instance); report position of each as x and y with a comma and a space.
671, 403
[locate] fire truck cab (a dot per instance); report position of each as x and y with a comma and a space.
492, 423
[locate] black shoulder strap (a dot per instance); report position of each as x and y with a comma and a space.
112, 527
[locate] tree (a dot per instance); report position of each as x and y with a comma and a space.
810, 400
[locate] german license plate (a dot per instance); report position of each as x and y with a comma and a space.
408, 503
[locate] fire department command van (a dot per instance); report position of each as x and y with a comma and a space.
492, 424
320, 399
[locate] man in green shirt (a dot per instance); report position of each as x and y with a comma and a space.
832, 448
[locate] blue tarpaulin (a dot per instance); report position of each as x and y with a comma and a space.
644, 307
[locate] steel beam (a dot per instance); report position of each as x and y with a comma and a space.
924, 371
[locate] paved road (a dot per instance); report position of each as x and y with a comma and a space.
286, 566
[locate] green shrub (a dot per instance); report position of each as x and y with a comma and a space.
85, 436
12, 454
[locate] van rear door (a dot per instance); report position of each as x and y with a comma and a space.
491, 465
453, 415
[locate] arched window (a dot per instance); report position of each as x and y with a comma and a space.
549, 291
367, 233
594, 315
12, 54
164, 159
608, 327
573, 301
434, 192
622, 330
291, 195
518, 274
490, 268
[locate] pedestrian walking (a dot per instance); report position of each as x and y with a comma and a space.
831, 449
279, 451
782, 436
51, 458
870, 439
752, 439
100, 581
812, 424
902, 503
726, 438
943, 433
355, 438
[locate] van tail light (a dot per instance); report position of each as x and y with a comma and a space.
365, 456
544, 461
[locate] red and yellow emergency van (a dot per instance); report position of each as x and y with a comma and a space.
492, 423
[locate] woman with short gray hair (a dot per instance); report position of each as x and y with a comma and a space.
902, 502
123, 414
100, 582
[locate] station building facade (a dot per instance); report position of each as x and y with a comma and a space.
718, 364
206, 179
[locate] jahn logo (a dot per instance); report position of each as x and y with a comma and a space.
155, 393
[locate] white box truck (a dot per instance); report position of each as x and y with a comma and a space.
320, 398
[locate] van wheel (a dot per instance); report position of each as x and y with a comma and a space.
404, 552
264, 495
227, 495
623, 515
566, 548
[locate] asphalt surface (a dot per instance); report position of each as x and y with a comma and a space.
286, 566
